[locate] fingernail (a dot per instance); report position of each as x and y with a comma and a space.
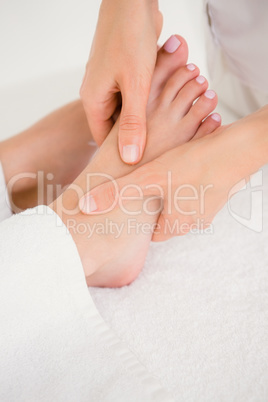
172, 44
216, 117
210, 94
191, 67
200, 79
87, 204
130, 153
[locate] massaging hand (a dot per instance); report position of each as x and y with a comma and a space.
196, 179
120, 67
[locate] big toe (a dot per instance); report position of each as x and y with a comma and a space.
170, 57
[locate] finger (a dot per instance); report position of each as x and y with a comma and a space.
100, 118
100, 128
159, 20
106, 197
132, 127
99, 107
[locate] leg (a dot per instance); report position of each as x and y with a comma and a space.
59, 146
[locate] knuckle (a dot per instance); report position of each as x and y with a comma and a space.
93, 110
88, 92
85, 98
84, 89
131, 122
138, 80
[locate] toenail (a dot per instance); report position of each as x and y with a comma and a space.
200, 79
191, 67
216, 117
130, 153
172, 44
210, 94
87, 204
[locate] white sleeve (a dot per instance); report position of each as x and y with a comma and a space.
54, 345
5, 210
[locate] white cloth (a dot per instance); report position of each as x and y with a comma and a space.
236, 36
54, 346
5, 210
240, 29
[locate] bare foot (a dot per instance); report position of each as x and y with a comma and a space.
113, 259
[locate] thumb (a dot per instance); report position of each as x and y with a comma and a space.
132, 125
107, 196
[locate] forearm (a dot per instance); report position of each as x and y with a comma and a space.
259, 135
247, 141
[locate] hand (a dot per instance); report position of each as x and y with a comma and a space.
120, 69
58, 147
195, 179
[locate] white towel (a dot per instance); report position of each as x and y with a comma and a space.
197, 316
54, 346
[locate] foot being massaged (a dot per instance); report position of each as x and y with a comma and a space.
142, 157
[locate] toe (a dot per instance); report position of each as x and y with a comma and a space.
208, 126
184, 100
200, 110
170, 57
176, 84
